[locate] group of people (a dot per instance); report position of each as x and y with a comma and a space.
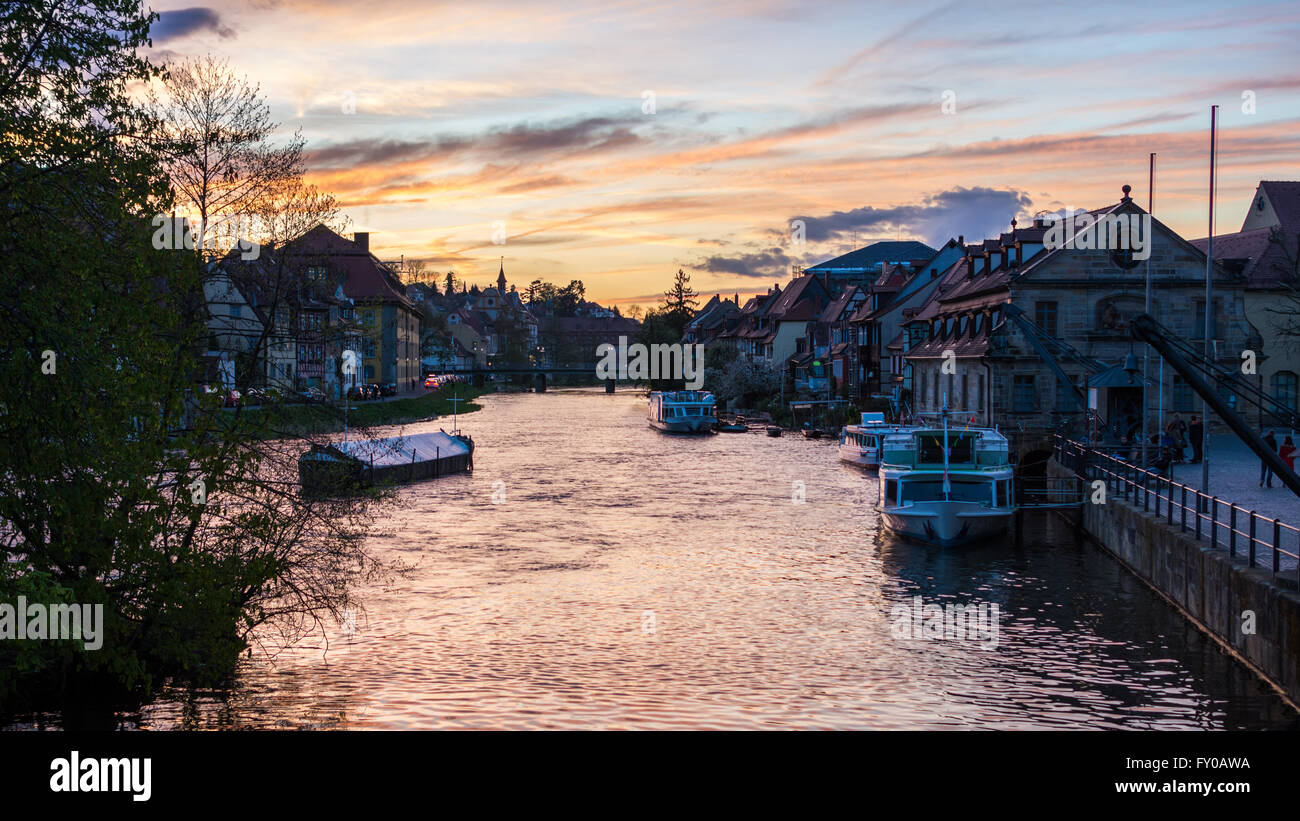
1287, 451
1179, 434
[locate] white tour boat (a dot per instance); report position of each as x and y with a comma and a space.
860, 444
682, 411
946, 485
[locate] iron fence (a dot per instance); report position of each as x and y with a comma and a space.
1263, 541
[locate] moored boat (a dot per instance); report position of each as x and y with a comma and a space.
860, 444
946, 486
682, 411
349, 467
773, 430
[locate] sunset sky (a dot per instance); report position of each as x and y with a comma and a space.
539, 114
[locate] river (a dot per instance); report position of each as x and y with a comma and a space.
593, 573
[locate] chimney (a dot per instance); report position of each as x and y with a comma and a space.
362, 239
961, 240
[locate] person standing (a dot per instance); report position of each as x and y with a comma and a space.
1178, 428
1195, 432
1266, 472
1288, 452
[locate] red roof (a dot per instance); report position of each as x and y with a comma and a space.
364, 276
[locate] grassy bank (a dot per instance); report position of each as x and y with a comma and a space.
313, 418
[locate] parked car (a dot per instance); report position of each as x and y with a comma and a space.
233, 398
389, 389
315, 394
431, 383
358, 392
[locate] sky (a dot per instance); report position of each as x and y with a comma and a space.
616, 142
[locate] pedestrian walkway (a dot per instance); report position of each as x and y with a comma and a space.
1234, 477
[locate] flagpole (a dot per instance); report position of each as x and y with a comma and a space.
1209, 307
1146, 309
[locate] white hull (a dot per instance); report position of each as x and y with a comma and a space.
689, 424
860, 456
946, 523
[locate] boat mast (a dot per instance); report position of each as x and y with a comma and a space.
947, 485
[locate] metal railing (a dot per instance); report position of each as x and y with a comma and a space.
1263, 541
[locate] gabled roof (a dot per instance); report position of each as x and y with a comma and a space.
835, 311
1265, 261
869, 257
1284, 196
797, 302
365, 277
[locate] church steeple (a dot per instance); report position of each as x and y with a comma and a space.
501, 277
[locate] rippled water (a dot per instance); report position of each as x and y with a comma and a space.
632, 579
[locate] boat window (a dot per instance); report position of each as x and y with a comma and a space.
972, 491
891, 491
958, 443
922, 490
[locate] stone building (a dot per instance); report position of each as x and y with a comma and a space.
968, 352
1264, 253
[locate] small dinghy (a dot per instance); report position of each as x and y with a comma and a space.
773, 430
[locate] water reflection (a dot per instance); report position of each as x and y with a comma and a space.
634, 579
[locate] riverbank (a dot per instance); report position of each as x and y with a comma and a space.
320, 417
1252, 612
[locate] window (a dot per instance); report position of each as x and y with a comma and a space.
981, 393
236, 311
1045, 317
1024, 399
965, 397
1064, 397
1182, 395
1284, 389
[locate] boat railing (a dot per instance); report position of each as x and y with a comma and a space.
1261, 540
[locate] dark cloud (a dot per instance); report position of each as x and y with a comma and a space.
586, 135
182, 22
975, 212
765, 264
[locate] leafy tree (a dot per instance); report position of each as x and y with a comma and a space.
121, 484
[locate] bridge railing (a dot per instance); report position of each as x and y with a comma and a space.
1263, 541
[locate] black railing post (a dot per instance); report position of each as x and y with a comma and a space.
1277, 540
1198, 515
1182, 511
1214, 521
1252, 538
1232, 530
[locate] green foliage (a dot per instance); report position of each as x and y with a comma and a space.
104, 439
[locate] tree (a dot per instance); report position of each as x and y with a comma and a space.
121, 484
449, 283
219, 154
679, 303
